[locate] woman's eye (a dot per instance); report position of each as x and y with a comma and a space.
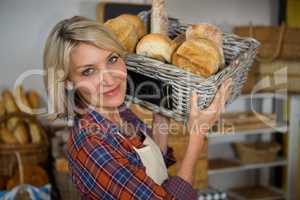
113, 59
87, 72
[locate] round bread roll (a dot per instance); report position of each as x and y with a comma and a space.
156, 46
207, 31
125, 32
137, 22
199, 56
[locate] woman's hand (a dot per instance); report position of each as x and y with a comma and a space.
160, 130
200, 121
198, 125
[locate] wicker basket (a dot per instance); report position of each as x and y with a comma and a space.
239, 54
30, 153
257, 152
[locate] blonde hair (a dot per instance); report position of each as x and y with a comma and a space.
65, 36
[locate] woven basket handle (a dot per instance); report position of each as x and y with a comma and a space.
20, 166
278, 46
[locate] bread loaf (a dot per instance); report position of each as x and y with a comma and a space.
21, 133
156, 46
9, 102
35, 133
7, 137
128, 29
199, 56
21, 100
207, 31
33, 175
61, 165
159, 18
34, 99
137, 22
2, 108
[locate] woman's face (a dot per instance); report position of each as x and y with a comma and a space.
98, 75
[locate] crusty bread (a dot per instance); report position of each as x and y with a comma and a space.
33, 175
199, 56
35, 133
137, 22
207, 31
2, 108
125, 32
156, 46
9, 102
159, 18
21, 100
61, 165
34, 99
7, 137
21, 133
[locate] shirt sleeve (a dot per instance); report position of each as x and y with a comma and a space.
104, 173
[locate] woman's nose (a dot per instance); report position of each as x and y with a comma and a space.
108, 78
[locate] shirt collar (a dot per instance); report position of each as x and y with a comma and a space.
125, 113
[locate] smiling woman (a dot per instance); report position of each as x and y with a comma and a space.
111, 153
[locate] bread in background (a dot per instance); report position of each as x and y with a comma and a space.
34, 100
35, 132
7, 137
21, 133
21, 100
2, 108
156, 46
9, 102
33, 175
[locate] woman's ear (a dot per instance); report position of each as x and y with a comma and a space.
69, 85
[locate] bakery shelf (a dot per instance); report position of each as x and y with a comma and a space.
244, 167
217, 137
256, 193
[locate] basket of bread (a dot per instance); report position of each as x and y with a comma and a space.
20, 132
179, 58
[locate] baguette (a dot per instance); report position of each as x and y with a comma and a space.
9, 102
159, 18
22, 100
35, 133
7, 137
34, 99
21, 133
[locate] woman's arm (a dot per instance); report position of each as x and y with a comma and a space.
103, 171
198, 125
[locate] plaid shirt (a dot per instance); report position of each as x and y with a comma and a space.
104, 166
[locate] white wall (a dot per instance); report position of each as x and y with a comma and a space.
25, 25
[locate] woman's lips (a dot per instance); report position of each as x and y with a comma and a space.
113, 92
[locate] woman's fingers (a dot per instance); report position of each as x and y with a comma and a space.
194, 104
220, 98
